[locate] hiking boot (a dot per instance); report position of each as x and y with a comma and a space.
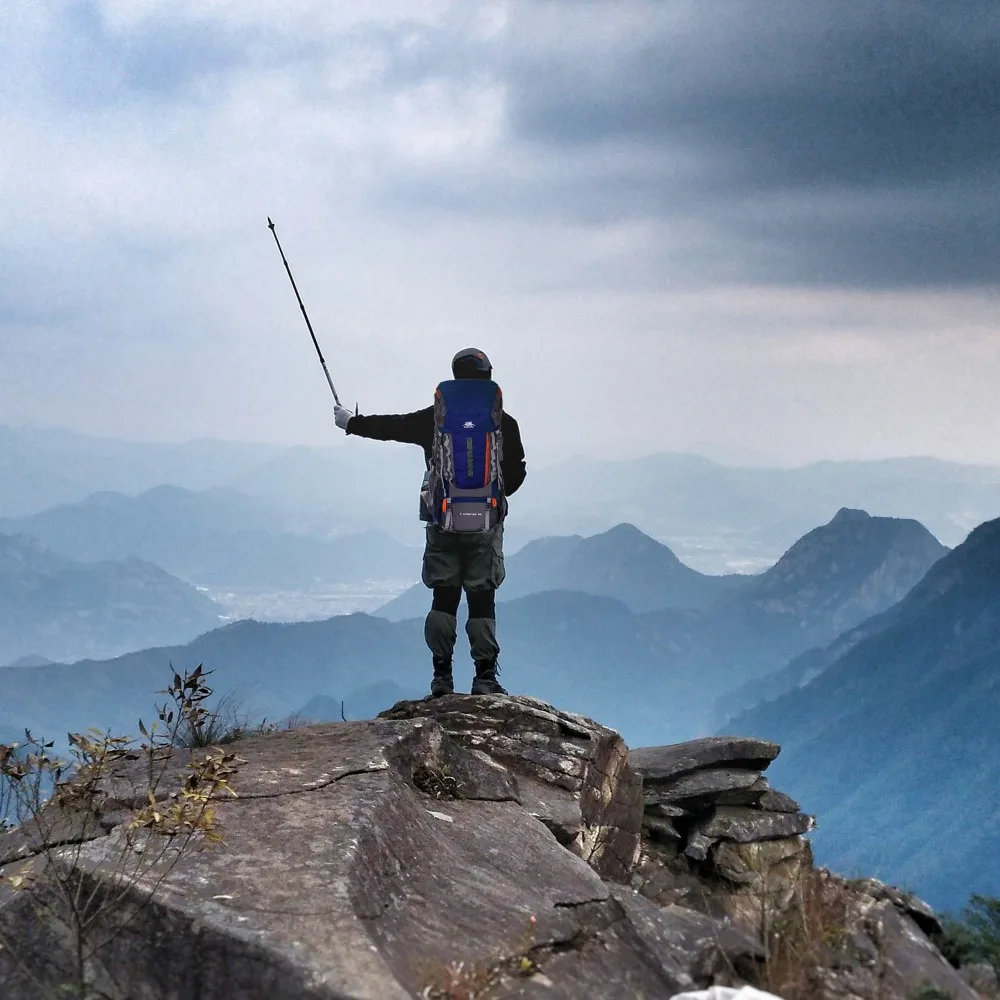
486, 679
443, 682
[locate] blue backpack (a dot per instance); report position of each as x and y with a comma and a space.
464, 489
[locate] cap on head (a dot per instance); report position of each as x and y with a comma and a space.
471, 363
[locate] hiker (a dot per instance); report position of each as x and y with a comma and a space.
475, 460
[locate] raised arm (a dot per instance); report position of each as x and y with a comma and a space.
408, 428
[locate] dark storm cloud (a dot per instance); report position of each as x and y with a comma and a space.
888, 114
808, 142
846, 144
807, 94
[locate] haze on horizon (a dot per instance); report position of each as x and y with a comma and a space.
762, 233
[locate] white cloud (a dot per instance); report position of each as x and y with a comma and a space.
140, 293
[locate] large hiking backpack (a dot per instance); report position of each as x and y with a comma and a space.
464, 490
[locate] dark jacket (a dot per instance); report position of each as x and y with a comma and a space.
418, 428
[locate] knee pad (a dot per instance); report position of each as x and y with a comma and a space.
482, 603
447, 599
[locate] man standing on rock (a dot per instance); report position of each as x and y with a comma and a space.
475, 460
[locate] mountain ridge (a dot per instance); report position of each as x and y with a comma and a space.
919, 693
623, 562
56, 607
217, 537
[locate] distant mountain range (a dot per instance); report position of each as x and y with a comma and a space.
894, 744
57, 608
623, 563
363, 703
218, 537
721, 519
42, 467
717, 519
912, 550
652, 674
271, 669
834, 577
30, 661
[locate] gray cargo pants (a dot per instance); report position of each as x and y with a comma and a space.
457, 561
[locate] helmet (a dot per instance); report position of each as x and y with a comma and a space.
471, 363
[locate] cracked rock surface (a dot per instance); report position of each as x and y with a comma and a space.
492, 837
576, 773
361, 860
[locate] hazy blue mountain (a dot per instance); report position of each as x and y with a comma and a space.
828, 583
359, 485
270, 668
218, 537
622, 563
895, 744
831, 579
654, 675
42, 467
364, 703
30, 661
345, 487
112, 525
718, 518
54, 607
834, 577
590, 654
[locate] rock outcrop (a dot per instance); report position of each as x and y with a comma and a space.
717, 836
719, 839
493, 845
572, 774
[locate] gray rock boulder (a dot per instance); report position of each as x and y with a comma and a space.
745, 825
708, 783
719, 840
459, 847
579, 780
657, 764
776, 801
381, 860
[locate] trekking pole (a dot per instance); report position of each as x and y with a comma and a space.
305, 315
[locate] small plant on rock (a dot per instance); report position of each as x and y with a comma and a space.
196, 724
460, 981
801, 937
438, 782
479, 980
126, 792
977, 935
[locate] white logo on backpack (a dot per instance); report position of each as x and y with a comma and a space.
468, 425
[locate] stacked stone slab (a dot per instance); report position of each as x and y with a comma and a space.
710, 814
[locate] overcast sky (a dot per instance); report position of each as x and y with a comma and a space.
764, 231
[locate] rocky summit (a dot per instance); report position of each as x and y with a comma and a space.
458, 848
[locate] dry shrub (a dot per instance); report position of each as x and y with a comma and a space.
805, 937
460, 981
479, 980
439, 783
112, 786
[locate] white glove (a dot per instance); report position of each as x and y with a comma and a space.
342, 416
